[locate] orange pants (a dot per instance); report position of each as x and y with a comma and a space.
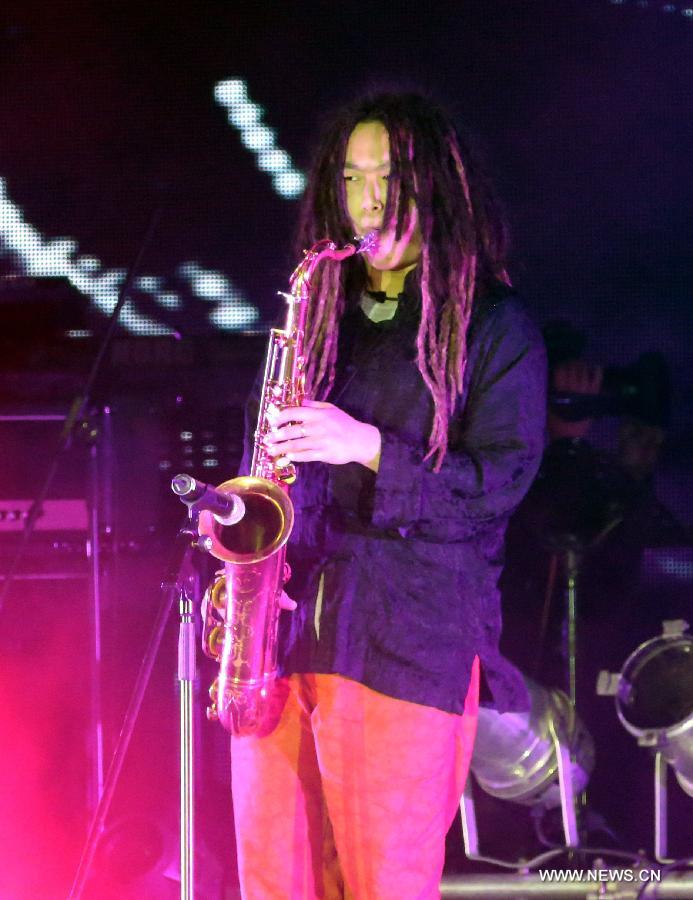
350, 795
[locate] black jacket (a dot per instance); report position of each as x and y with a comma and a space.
411, 558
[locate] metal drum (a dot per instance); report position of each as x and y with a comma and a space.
515, 753
654, 700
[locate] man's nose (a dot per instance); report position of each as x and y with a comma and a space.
373, 196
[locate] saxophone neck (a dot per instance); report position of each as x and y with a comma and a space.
325, 249
284, 377
295, 318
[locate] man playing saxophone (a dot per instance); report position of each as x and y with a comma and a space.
424, 431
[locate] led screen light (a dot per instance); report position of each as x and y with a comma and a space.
41, 257
260, 139
669, 8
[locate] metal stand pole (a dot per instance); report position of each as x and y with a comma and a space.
564, 764
96, 826
661, 829
572, 565
96, 674
470, 831
179, 580
186, 677
569, 815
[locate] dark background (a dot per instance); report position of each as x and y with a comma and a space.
583, 108
107, 113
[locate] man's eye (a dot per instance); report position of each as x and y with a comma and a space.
350, 177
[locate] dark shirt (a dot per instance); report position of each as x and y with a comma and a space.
411, 558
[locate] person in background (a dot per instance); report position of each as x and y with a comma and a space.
600, 505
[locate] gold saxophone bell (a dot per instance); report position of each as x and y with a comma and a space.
240, 632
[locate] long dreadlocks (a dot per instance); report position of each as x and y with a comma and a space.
463, 231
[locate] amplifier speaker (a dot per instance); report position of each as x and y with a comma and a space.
46, 730
44, 733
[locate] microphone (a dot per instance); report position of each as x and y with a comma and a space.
227, 509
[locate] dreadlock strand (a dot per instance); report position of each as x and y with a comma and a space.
454, 149
316, 314
325, 355
429, 364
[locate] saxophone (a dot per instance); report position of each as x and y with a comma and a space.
240, 610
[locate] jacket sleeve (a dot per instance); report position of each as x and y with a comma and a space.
495, 444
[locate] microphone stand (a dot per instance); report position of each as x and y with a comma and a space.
187, 669
181, 579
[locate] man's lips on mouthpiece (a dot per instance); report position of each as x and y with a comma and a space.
373, 243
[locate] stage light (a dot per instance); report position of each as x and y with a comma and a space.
542, 758
206, 285
289, 184
654, 702
274, 161
667, 8
231, 92
230, 312
88, 263
169, 299
515, 753
260, 138
246, 117
38, 256
149, 283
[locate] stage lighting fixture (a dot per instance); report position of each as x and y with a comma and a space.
246, 118
654, 702
37, 256
667, 8
542, 758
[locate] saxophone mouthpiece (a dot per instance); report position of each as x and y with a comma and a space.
364, 244
367, 242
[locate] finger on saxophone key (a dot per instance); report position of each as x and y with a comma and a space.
285, 602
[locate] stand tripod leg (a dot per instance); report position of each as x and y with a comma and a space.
96, 713
567, 791
661, 836
96, 826
572, 641
470, 833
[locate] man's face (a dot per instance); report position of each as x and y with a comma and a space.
366, 173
